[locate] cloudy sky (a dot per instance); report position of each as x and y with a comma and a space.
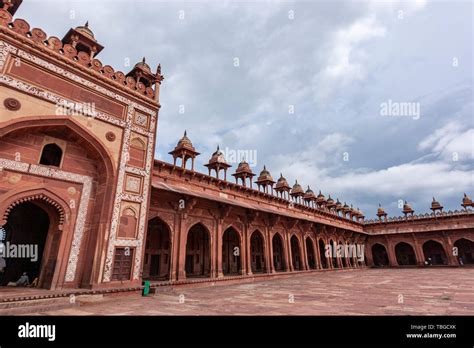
309, 88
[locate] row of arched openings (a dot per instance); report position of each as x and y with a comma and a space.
198, 252
433, 252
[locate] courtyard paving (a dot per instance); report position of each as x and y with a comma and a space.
427, 291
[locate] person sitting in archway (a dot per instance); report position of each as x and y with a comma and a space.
23, 281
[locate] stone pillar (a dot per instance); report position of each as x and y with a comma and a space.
175, 242
420, 256
249, 253
182, 248
317, 254
290, 253
392, 258
368, 255
270, 251
218, 239
243, 253
266, 252
286, 251
305, 254
452, 260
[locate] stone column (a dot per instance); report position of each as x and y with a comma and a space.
285, 251
181, 257
290, 253
218, 239
270, 251
243, 253
174, 239
392, 258
305, 254
266, 252
452, 260
420, 256
249, 253
368, 255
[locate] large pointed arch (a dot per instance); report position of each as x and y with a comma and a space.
85, 256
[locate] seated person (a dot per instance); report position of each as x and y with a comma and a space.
24, 280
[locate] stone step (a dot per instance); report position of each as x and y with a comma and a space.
36, 306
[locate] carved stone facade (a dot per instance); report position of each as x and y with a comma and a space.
54, 94
77, 142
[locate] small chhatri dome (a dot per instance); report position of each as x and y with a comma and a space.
243, 168
330, 200
143, 65
360, 213
265, 175
338, 204
297, 189
282, 184
218, 157
407, 209
309, 194
346, 207
467, 201
320, 199
282, 180
381, 211
184, 150
435, 205
185, 142
84, 29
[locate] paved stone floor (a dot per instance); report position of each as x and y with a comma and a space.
433, 291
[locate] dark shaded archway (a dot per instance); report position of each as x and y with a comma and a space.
30, 228
434, 253
157, 250
296, 259
405, 254
231, 252
278, 253
465, 251
198, 258
380, 255
257, 252
311, 254
322, 254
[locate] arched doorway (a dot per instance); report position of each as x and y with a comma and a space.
322, 254
333, 254
434, 253
157, 251
32, 230
198, 258
379, 255
231, 252
310, 253
296, 260
84, 232
465, 251
257, 253
405, 254
278, 253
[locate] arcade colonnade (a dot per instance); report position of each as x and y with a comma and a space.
179, 247
430, 249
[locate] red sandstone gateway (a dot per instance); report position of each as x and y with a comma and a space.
79, 179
